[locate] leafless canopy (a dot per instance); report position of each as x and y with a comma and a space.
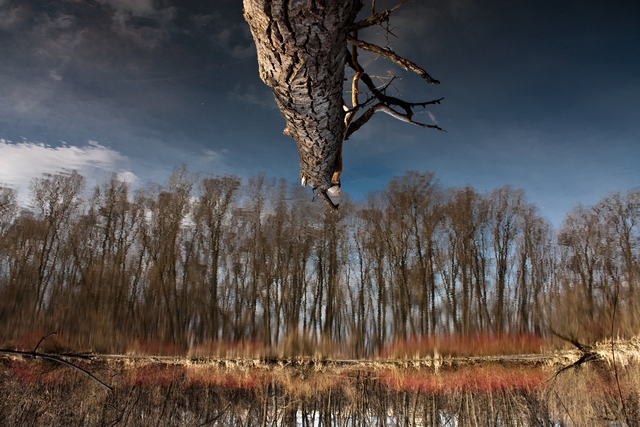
303, 48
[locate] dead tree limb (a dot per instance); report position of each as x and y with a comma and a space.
588, 355
385, 102
54, 358
301, 50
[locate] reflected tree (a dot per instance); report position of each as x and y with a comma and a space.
302, 54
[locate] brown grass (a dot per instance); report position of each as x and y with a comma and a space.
182, 391
484, 344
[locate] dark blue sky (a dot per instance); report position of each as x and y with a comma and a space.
543, 95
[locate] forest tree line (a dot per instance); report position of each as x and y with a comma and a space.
200, 260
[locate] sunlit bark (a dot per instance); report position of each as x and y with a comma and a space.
301, 46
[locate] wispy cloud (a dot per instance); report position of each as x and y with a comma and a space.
235, 40
135, 7
14, 16
21, 162
252, 94
147, 31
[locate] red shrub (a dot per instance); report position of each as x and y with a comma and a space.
469, 379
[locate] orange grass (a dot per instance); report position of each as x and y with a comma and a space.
479, 379
483, 344
203, 376
38, 372
159, 374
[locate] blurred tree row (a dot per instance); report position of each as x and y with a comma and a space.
215, 259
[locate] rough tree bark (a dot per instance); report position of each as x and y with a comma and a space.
302, 53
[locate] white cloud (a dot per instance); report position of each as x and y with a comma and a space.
128, 177
21, 162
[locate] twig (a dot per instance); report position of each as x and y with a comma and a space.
40, 342
376, 18
403, 117
565, 408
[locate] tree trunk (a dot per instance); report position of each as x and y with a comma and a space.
301, 47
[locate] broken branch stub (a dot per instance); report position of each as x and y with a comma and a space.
301, 48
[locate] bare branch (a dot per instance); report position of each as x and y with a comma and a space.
403, 117
353, 61
404, 63
359, 122
40, 342
376, 18
391, 100
385, 101
364, 118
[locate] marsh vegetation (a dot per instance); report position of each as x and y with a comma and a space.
306, 392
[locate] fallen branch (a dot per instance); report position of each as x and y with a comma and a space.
54, 358
588, 354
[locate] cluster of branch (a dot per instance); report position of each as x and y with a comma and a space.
379, 101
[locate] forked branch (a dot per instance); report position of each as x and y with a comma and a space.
385, 102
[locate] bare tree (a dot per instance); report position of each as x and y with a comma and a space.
581, 247
56, 197
622, 213
214, 203
302, 53
8, 207
534, 259
506, 205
